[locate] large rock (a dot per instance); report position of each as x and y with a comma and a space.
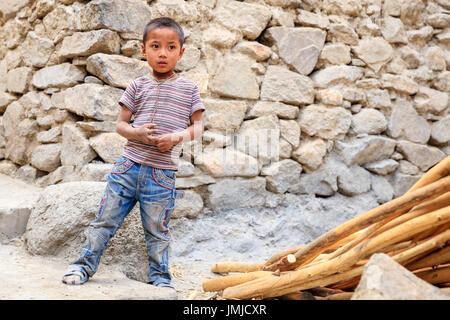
226, 162
266, 108
310, 153
235, 78
179, 10
5, 100
254, 50
385, 279
249, 18
382, 167
428, 100
369, 121
422, 156
58, 76
18, 80
323, 181
283, 176
46, 157
378, 99
76, 150
189, 206
393, 30
440, 131
283, 85
336, 53
17, 142
116, 70
345, 7
365, 150
336, 75
310, 19
232, 193
16, 202
60, 22
90, 100
109, 146
82, 44
324, 122
343, 33
8, 9
260, 138
224, 116
59, 221
36, 51
298, 47
376, 52
406, 123
290, 131
353, 180
402, 182
400, 83
190, 59
127, 16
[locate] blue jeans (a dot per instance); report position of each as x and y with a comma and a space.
128, 183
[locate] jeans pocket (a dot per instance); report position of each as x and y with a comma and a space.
164, 217
164, 177
122, 165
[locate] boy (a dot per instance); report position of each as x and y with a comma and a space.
162, 104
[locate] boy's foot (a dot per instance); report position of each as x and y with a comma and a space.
163, 284
75, 276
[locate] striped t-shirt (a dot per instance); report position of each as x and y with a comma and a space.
176, 99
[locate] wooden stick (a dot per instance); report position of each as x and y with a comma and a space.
421, 209
429, 233
221, 283
436, 258
269, 265
392, 208
400, 258
277, 256
375, 229
272, 287
398, 246
227, 267
438, 171
435, 276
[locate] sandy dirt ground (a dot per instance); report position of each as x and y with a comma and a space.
27, 277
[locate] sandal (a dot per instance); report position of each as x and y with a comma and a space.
76, 272
163, 285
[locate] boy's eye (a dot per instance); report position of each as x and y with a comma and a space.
171, 47
155, 46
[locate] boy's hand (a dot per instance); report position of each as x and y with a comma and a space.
165, 142
145, 133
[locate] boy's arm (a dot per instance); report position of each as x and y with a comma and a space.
143, 134
166, 142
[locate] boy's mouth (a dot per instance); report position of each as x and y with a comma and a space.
162, 64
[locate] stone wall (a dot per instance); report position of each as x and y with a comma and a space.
302, 97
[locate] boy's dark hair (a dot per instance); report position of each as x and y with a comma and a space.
164, 22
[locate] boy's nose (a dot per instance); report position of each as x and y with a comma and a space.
162, 52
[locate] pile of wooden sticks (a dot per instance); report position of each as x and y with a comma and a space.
413, 229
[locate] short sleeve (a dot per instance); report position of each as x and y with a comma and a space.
196, 101
128, 97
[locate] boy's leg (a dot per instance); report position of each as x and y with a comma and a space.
118, 200
156, 206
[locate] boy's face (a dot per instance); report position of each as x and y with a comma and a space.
162, 49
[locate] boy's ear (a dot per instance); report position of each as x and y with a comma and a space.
143, 50
181, 52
